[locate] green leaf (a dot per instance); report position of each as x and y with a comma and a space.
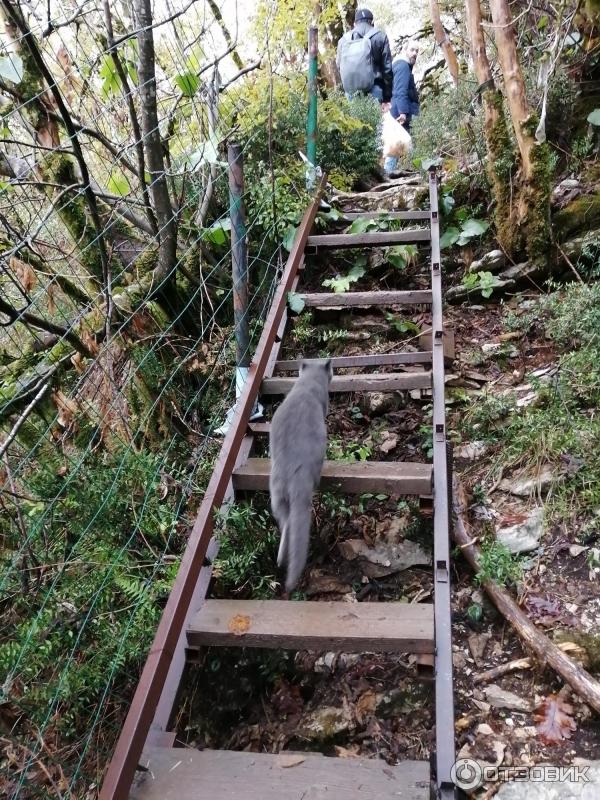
594, 117
362, 225
403, 325
217, 233
188, 83
542, 22
111, 83
289, 236
475, 227
118, 184
295, 302
342, 283
401, 255
447, 203
449, 237
11, 68
195, 59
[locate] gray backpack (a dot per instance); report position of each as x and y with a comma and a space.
356, 62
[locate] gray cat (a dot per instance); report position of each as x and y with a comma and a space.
298, 445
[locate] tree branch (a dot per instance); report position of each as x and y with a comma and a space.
44, 325
133, 118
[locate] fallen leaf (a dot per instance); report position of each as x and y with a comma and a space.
554, 720
366, 704
24, 273
239, 624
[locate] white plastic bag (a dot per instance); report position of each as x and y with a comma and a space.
397, 141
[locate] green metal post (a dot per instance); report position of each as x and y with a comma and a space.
311, 124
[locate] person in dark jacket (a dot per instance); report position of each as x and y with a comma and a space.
405, 97
381, 57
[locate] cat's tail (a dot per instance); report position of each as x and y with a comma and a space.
297, 538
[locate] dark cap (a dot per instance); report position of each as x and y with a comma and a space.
363, 14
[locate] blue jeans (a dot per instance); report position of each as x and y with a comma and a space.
376, 92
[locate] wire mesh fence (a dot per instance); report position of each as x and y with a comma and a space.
117, 347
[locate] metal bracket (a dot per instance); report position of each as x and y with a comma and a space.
438, 337
435, 266
440, 434
441, 571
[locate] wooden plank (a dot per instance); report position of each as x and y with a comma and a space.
380, 382
259, 428
375, 239
349, 362
306, 625
386, 215
186, 774
338, 299
355, 477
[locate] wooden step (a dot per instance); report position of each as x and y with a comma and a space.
380, 382
350, 299
314, 625
359, 362
375, 239
386, 215
355, 477
186, 774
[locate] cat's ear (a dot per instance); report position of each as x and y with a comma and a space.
303, 366
329, 367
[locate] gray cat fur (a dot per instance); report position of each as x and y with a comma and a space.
298, 442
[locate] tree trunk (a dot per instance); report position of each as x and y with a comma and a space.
533, 211
153, 145
442, 40
501, 156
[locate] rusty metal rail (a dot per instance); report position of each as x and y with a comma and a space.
147, 723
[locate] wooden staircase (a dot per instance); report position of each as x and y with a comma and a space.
168, 773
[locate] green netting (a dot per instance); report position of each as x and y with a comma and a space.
117, 356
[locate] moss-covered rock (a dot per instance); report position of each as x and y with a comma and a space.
582, 214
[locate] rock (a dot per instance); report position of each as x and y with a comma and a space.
583, 783
499, 349
499, 698
577, 549
389, 443
566, 191
325, 723
477, 644
321, 583
384, 558
471, 452
378, 403
524, 536
490, 262
525, 487
518, 272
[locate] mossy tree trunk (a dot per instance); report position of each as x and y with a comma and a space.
531, 212
502, 161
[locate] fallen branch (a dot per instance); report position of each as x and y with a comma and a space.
587, 687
